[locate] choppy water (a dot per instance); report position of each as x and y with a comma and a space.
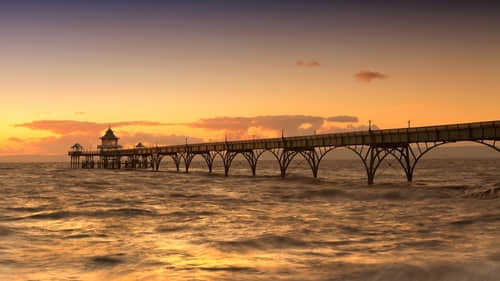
63, 224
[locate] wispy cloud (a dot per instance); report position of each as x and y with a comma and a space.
310, 63
67, 132
271, 125
343, 119
14, 139
65, 127
57, 145
368, 76
349, 128
240, 126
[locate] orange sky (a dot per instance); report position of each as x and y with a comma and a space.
183, 72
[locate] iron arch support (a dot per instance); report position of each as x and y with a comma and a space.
314, 156
252, 158
177, 160
284, 157
408, 156
227, 158
188, 157
492, 145
209, 157
371, 158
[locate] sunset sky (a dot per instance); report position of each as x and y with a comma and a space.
157, 71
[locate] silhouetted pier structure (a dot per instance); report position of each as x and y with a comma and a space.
406, 145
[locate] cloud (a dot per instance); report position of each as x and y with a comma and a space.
240, 126
311, 63
343, 119
67, 132
147, 139
65, 127
14, 139
59, 145
268, 126
368, 76
80, 113
349, 128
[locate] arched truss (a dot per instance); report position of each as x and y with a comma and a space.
406, 154
252, 157
491, 143
227, 158
284, 157
156, 158
188, 158
314, 156
176, 157
409, 156
209, 158
371, 156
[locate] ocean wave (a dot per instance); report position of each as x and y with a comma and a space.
191, 213
106, 260
231, 269
329, 193
488, 193
127, 212
271, 241
4, 231
486, 271
486, 218
26, 209
172, 228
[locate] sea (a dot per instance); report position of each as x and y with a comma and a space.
58, 223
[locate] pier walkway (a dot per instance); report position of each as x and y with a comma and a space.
406, 145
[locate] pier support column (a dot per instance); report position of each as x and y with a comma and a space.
314, 156
284, 157
408, 167
227, 159
252, 158
73, 162
371, 167
409, 156
209, 157
372, 157
155, 161
177, 161
188, 157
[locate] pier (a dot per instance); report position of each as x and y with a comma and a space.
406, 145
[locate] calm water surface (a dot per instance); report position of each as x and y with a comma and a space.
63, 224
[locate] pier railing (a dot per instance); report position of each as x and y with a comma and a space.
407, 145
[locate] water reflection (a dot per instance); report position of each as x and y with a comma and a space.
62, 224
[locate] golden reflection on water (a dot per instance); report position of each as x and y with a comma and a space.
109, 225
